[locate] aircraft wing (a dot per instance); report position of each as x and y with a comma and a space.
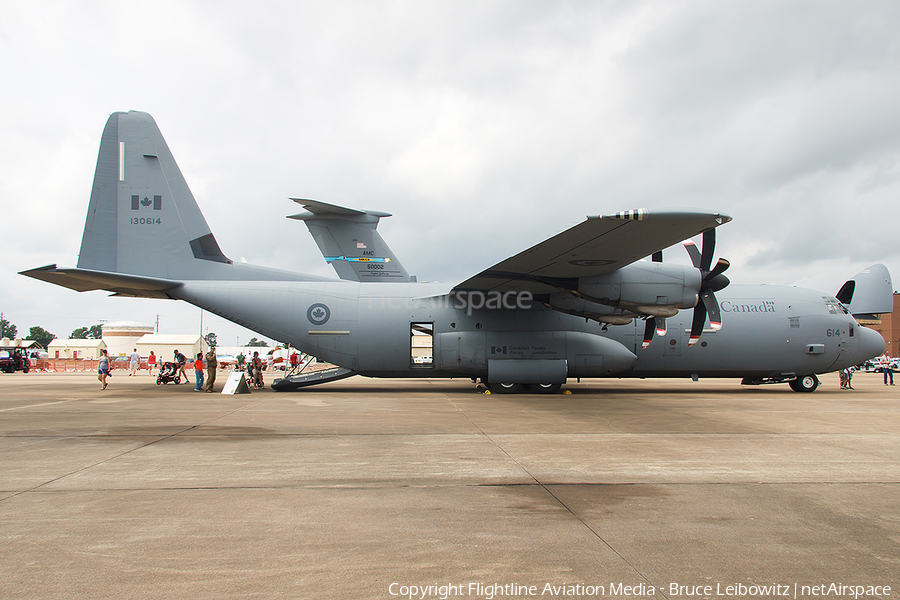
85, 280
596, 246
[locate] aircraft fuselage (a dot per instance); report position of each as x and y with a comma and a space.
418, 330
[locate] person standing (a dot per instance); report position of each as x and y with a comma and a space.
211, 365
888, 369
103, 368
198, 372
256, 376
151, 363
180, 360
134, 361
848, 376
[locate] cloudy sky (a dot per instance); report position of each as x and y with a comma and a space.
484, 127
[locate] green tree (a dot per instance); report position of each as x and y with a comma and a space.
41, 336
7, 329
87, 333
258, 343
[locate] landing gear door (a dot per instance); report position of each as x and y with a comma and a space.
449, 351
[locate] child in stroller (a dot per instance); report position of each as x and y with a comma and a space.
168, 371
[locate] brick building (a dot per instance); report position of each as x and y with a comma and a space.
889, 328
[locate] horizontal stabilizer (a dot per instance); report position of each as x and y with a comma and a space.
323, 208
348, 240
85, 280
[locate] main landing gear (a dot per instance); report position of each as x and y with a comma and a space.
520, 388
803, 383
807, 383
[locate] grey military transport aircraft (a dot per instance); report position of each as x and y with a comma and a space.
583, 303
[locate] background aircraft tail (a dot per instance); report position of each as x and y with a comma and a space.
348, 240
868, 293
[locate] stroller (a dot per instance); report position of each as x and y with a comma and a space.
168, 371
255, 377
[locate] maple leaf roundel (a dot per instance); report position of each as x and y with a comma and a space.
318, 314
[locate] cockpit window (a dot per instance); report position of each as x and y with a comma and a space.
835, 307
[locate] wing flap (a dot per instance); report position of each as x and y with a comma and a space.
596, 246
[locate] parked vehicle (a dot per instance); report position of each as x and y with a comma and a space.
13, 359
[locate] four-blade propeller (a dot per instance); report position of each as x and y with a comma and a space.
712, 281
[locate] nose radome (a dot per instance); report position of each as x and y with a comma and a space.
871, 344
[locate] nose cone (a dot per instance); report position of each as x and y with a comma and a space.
871, 344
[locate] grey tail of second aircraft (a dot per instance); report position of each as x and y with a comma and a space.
349, 241
142, 218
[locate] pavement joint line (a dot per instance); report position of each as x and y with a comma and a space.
121, 454
387, 486
36, 405
556, 498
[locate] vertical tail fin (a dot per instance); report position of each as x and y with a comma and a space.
142, 218
349, 241
868, 293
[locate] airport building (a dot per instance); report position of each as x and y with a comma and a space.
165, 345
75, 348
889, 328
122, 336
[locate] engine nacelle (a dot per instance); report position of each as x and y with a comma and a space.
646, 288
595, 311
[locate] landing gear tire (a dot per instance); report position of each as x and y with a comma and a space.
546, 388
807, 383
506, 388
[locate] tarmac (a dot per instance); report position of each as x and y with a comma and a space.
385, 489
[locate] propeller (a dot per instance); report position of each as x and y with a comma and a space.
712, 281
653, 325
